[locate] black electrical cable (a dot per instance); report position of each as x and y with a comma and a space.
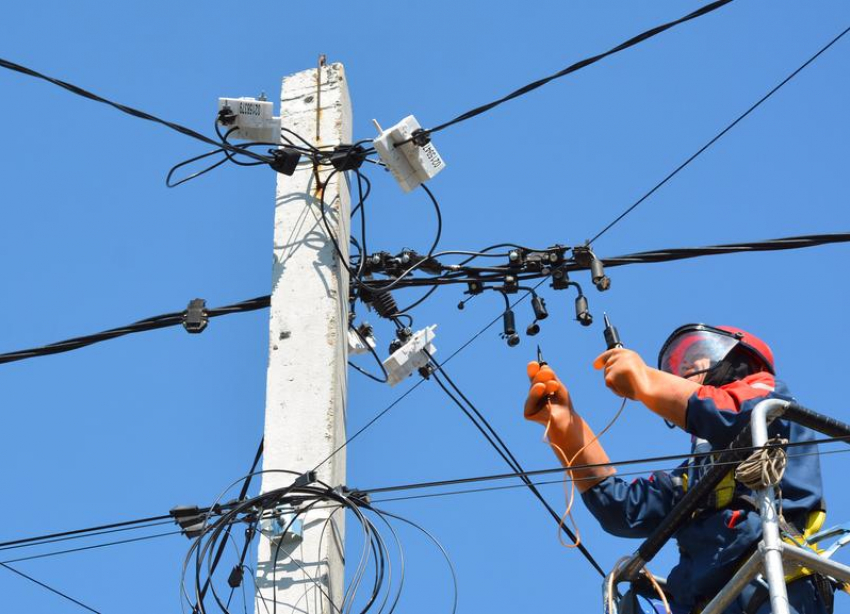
561, 469
89, 534
261, 302
52, 536
246, 485
418, 383
568, 479
50, 588
509, 458
153, 323
94, 547
579, 65
74, 89
717, 137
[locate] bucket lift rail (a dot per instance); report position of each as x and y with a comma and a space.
768, 559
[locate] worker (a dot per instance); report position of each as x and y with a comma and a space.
707, 382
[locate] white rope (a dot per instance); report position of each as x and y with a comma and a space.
764, 467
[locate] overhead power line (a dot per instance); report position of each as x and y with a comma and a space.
717, 137
261, 302
561, 469
79, 91
50, 588
579, 65
165, 320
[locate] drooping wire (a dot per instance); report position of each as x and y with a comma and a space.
717, 137
579, 65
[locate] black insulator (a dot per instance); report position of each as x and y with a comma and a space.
582, 312
532, 329
597, 275
284, 160
539, 306
384, 304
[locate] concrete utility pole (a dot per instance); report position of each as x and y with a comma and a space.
308, 348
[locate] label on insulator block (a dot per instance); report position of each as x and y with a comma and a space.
411, 356
252, 119
410, 164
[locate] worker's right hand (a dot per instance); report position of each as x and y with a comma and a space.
548, 397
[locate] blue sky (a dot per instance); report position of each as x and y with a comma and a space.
91, 238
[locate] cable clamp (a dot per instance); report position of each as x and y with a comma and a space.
284, 160
348, 157
190, 519
195, 318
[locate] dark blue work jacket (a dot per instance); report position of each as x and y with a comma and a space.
713, 543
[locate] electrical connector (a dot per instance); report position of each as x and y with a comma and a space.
361, 340
411, 159
411, 356
253, 119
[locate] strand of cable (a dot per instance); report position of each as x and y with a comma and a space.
79, 91
633, 461
302, 496
262, 302
166, 320
469, 491
579, 65
492, 437
50, 588
717, 137
358, 494
483, 275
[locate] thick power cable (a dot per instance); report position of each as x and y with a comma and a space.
79, 91
153, 323
262, 302
50, 588
579, 65
717, 137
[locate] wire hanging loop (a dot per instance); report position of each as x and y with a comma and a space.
764, 467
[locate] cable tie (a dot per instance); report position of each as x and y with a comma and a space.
195, 318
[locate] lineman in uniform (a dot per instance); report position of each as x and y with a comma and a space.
707, 382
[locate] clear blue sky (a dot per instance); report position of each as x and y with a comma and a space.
91, 238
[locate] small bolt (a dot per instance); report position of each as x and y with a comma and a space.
513, 256
376, 259
553, 257
405, 257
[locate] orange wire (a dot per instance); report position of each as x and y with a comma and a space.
568, 461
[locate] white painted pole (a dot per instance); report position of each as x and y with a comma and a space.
308, 351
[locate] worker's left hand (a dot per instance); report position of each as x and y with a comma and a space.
626, 374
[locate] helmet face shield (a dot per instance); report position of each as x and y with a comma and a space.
695, 350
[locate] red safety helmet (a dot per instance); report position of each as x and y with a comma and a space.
694, 341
